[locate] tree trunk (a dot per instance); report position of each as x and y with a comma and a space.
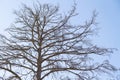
39, 65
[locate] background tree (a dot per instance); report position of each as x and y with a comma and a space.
43, 44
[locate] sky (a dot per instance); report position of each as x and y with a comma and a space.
108, 19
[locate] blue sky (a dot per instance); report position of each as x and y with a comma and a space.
108, 19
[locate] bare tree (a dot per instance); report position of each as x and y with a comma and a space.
43, 44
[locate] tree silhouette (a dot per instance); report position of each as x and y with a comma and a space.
43, 44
